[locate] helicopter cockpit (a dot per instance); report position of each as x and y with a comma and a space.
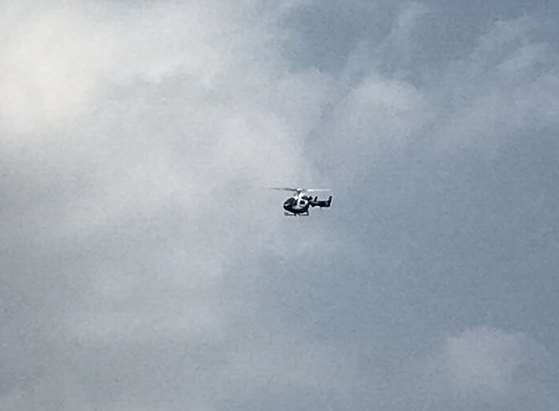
290, 202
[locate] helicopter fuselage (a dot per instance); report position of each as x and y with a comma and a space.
299, 203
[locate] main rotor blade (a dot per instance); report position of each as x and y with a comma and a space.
300, 190
295, 190
316, 190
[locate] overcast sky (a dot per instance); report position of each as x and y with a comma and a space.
143, 266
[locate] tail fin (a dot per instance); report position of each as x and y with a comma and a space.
329, 201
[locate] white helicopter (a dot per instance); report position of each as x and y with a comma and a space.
300, 202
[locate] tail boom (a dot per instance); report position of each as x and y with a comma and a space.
321, 203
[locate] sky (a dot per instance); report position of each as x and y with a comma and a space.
145, 267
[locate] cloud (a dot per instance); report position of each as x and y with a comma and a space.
480, 368
504, 87
491, 362
144, 267
136, 136
485, 367
53, 63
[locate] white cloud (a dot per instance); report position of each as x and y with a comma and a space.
143, 130
485, 361
52, 65
484, 366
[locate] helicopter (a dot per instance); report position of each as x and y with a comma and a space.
300, 202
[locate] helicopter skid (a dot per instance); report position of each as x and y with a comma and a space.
296, 215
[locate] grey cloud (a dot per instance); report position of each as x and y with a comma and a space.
144, 268
484, 367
